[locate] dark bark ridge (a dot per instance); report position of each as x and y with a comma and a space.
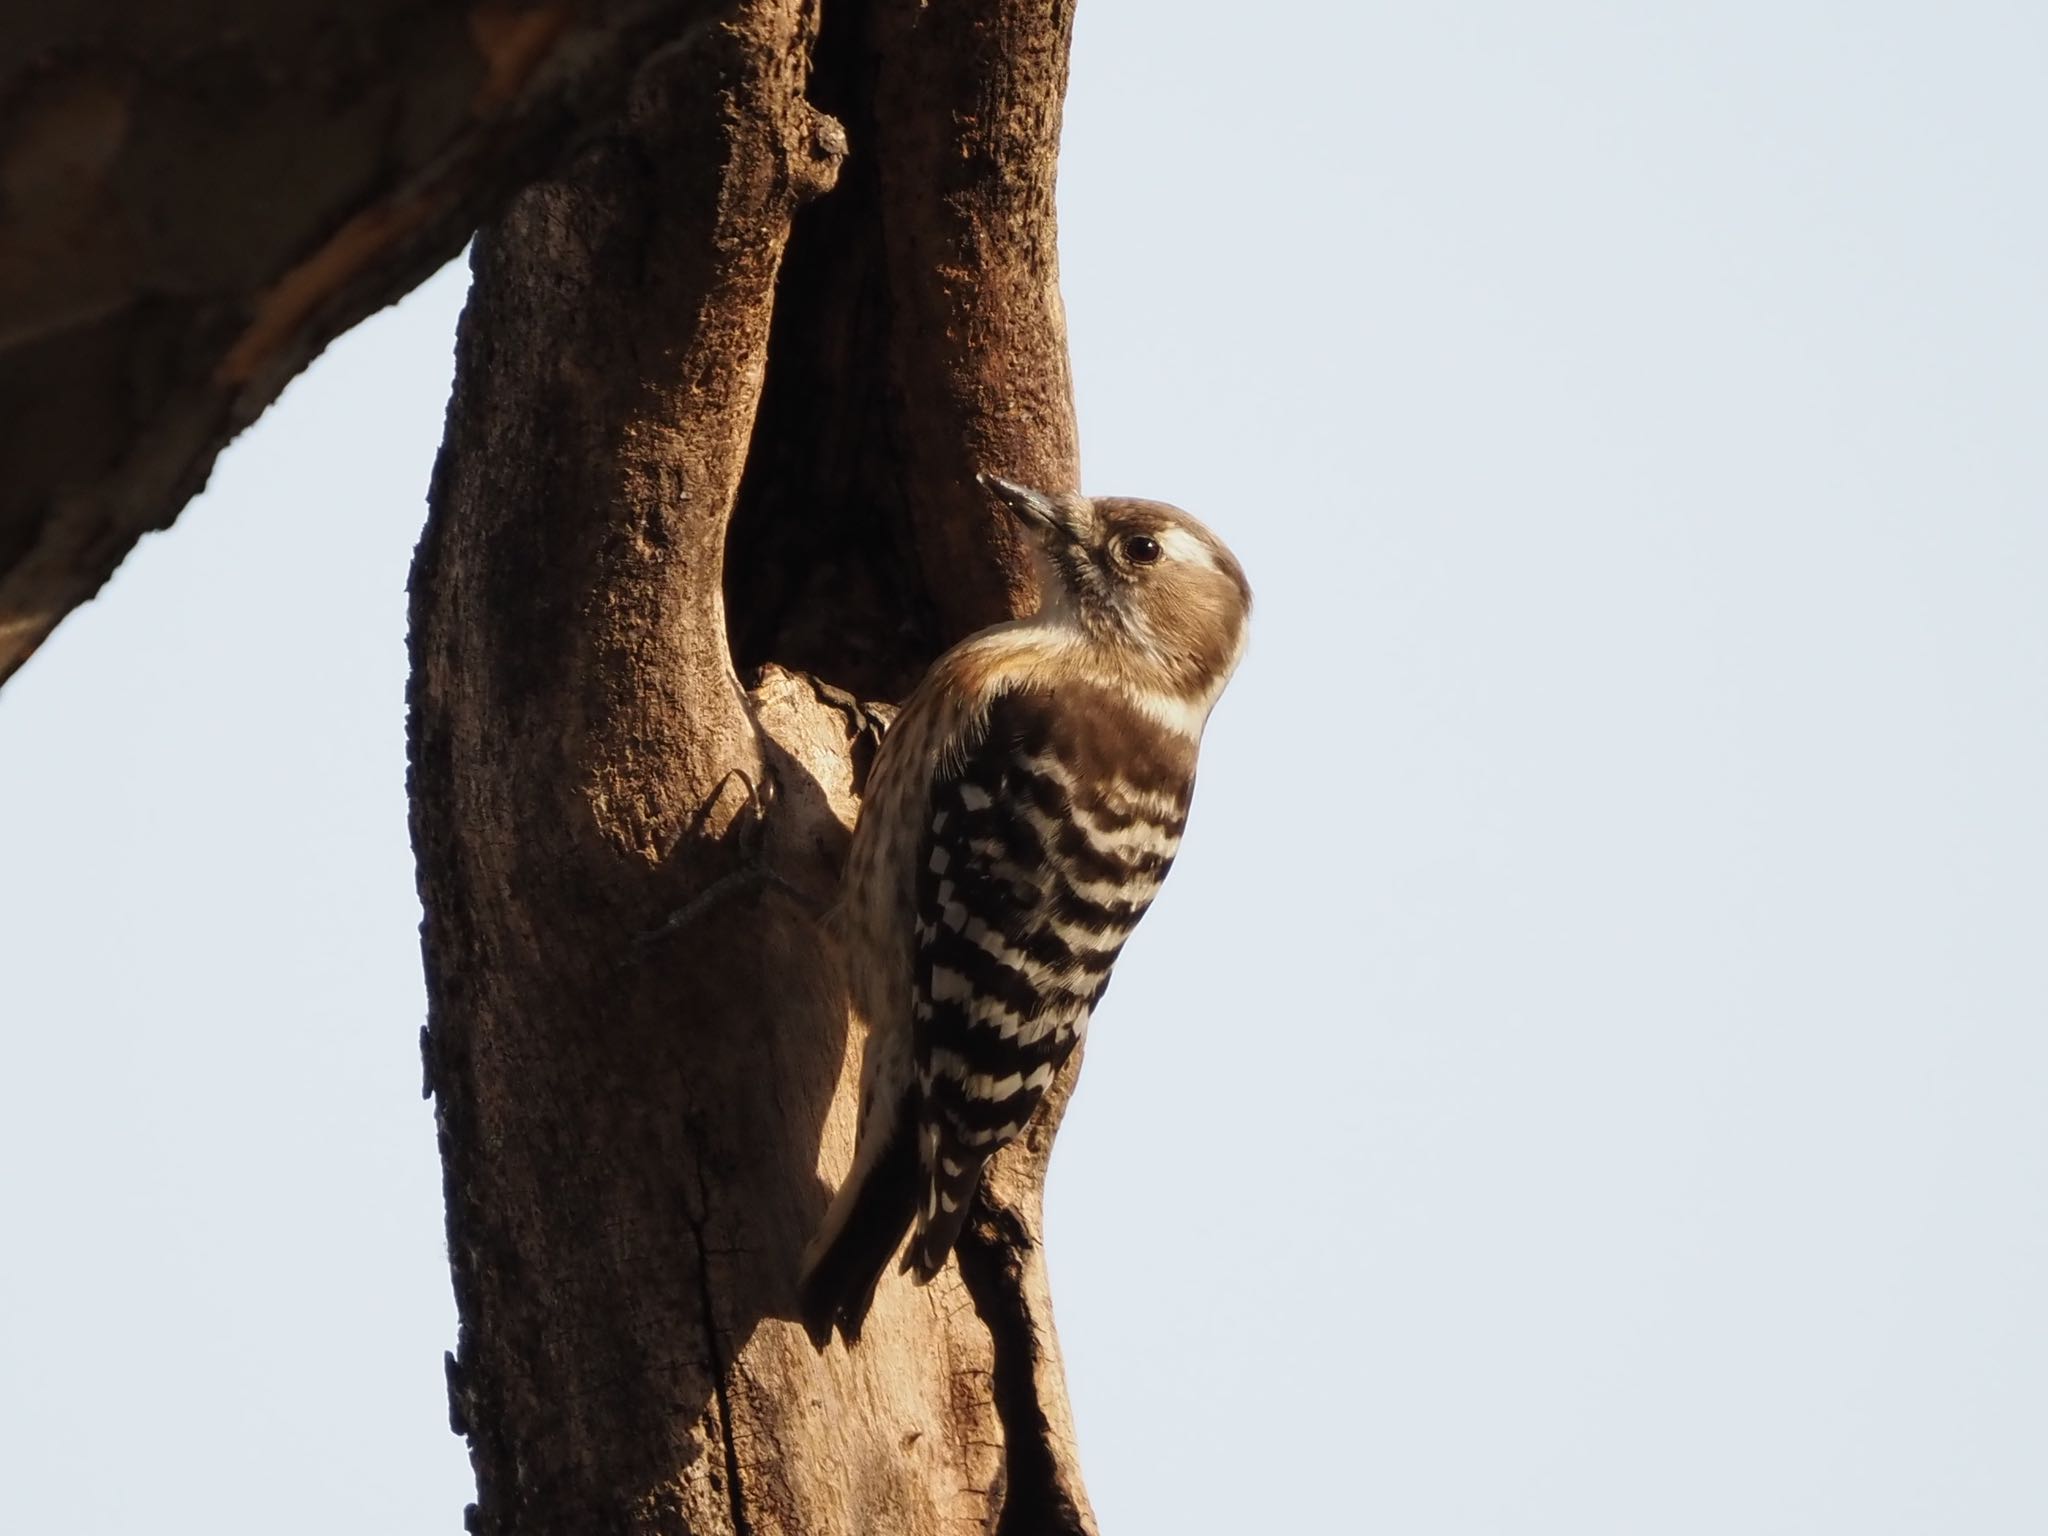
716, 416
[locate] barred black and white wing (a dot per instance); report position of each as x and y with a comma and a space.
1045, 844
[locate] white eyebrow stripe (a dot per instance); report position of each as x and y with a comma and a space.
1184, 546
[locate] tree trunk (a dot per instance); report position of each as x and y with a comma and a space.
721, 389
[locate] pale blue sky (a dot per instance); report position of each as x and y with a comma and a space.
1608, 955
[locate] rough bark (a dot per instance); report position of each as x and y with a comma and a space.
721, 387
197, 195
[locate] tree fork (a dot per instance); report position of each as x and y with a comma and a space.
711, 414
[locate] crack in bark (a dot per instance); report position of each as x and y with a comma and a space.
1035, 1499
734, 1485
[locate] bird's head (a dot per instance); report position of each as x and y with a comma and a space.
1151, 588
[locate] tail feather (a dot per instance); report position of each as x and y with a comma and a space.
860, 1233
948, 1176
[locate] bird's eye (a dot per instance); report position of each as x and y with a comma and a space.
1141, 550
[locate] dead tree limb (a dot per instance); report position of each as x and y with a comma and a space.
721, 388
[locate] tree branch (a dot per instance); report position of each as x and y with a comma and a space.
197, 202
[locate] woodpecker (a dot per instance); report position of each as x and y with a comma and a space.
1019, 817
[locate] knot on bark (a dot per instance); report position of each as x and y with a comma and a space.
813, 152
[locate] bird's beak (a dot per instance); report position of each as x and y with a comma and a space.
1034, 507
